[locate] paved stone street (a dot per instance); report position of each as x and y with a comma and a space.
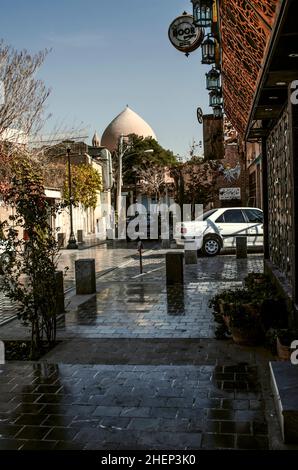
107, 257
139, 368
8, 311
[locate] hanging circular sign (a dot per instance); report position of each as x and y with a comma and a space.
184, 35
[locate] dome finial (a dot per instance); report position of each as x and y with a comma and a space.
95, 140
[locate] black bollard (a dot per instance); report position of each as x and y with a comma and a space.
241, 247
174, 268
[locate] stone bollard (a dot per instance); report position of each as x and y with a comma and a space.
241, 247
174, 268
190, 252
60, 307
80, 237
61, 240
2, 353
85, 276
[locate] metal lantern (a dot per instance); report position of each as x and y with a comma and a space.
215, 98
202, 12
208, 50
217, 111
213, 79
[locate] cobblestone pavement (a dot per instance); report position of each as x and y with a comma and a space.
106, 256
159, 407
8, 310
139, 368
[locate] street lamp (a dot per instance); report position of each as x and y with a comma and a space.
213, 79
208, 50
215, 98
72, 243
202, 12
218, 111
122, 152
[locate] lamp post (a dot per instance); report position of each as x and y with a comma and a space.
72, 243
122, 152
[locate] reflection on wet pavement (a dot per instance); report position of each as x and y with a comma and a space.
44, 406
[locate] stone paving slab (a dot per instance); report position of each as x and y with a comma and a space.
130, 407
8, 310
130, 305
154, 351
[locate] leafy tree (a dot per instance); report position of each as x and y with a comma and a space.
194, 182
86, 181
136, 159
29, 279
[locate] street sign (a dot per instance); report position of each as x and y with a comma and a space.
184, 35
227, 194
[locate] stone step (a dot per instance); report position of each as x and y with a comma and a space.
284, 379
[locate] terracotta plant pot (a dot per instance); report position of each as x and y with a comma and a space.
249, 337
283, 352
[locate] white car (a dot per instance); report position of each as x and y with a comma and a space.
218, 228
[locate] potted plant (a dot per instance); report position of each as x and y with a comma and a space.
245, 325
284, 339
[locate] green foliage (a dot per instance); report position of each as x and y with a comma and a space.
86, 182
194, 182
135, 158
257, 305
29, 279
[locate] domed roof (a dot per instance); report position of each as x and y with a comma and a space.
127, 122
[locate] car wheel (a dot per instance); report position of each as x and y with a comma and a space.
211, 246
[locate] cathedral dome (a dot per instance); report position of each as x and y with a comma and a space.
127, 122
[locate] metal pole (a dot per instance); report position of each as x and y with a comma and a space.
140, 249
119, 185
72, 243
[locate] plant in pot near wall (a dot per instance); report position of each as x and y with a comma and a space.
245, 324
284, 339
222, 304
233, 307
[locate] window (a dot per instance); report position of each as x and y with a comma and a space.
254, 216
208, 213
220, 218
233, 216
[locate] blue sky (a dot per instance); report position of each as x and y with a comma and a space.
109, 53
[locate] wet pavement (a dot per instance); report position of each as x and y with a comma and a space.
107, 257
159, 407
8, 310
139, 368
